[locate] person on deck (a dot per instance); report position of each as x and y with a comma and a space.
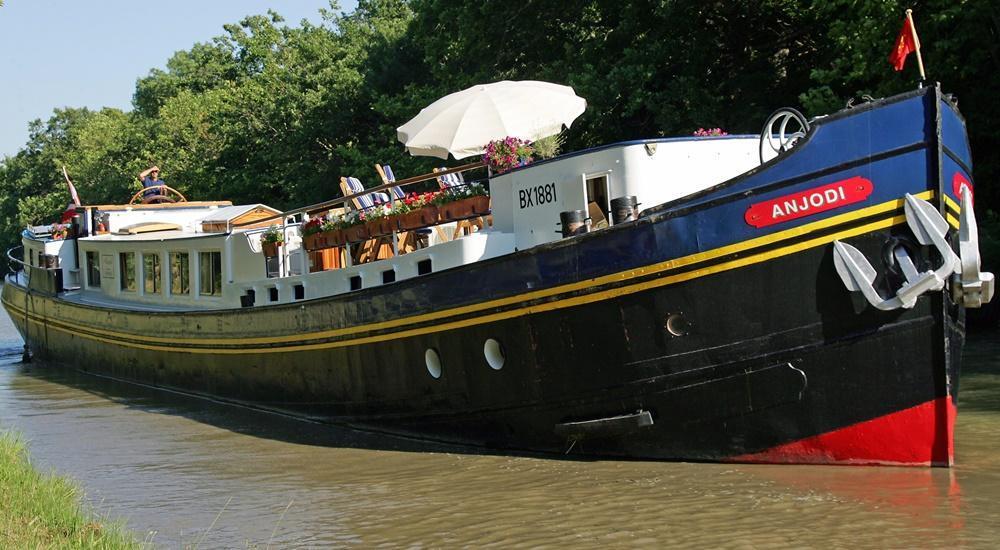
150, 180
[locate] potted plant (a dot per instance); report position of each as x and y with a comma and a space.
59, 231
507, 153
311, 238
271, 240
467, 201
417, 210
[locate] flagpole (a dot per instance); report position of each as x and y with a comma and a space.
916, 43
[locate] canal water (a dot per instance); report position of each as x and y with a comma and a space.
185, 472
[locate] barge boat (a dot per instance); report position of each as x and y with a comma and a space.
800, 306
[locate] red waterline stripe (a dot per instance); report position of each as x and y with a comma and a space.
919, 436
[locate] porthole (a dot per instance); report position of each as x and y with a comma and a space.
493, 352
677, 324
433, 361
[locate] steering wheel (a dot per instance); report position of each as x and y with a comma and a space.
783, 129
163, 194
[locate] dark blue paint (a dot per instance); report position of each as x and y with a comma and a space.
953, 135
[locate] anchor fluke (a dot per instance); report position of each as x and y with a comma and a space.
858, 275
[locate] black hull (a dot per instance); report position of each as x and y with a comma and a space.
768, 354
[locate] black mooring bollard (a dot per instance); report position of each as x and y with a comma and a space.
573, 222
624, 209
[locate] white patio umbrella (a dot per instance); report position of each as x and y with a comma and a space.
462, 123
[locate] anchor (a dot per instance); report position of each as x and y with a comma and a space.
969, 285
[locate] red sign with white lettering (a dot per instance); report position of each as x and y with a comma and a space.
958, 181
809, 202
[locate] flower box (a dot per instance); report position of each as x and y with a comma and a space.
333, 237
416, 219
356, 233
270, 249
311, 242
379, 227
324, 239
461, 209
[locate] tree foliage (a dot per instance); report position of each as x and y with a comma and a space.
273, 113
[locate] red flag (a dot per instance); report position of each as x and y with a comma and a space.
906, 43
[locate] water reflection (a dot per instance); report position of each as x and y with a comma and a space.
170, 464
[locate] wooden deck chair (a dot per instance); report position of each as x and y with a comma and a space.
378, 248
385, 172
455, 180
407, 241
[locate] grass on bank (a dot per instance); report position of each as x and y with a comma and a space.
44, 511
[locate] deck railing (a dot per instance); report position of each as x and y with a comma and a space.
326, 205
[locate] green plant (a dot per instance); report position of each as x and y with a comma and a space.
272, 235
548, 147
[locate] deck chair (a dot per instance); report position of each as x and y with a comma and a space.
407, 240
378, 248
450, 181
455, 180
353, 186
385, 172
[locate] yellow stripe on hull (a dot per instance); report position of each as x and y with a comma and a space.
185, 345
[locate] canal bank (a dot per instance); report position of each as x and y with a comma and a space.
42, 510
172, 465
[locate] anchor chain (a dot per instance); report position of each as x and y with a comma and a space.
969, 285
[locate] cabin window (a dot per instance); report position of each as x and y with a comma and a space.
356, 282
300, 292
31, 256
389, 276
151, 273
126, 270
180, 274
93, 269
272, 294
210, 264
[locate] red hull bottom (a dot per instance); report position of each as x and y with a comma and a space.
919, 436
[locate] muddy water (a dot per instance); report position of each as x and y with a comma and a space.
184, 472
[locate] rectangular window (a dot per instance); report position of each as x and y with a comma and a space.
31, 256
93, 269
126, 270
424, 267
211, 273
151, 273
180, 273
